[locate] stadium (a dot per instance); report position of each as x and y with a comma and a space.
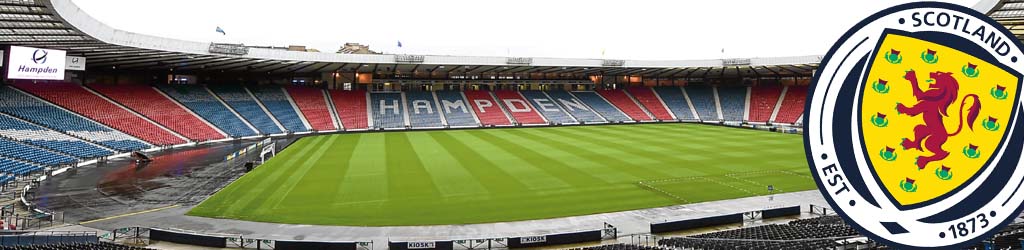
135, 141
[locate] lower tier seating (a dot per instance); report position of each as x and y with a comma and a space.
703, 99
676, 101
200, 101
792, 105
25, 132
423, 110
575, 107
733, 100
149, 102
455, 109
520, 109
351, 108
276, 101
244, 104
548, 107
313, 104
602, 107
646, 97
625, 104
762, 102
388, 112
486, 108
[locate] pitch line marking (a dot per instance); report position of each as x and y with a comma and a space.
130, 214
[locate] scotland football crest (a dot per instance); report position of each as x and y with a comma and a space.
920, 152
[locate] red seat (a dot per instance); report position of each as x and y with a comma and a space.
351, 108
313, 104
486, 108
792, 105
76, 98
762, 102
621, 100
650, 100
150, 103
520, 109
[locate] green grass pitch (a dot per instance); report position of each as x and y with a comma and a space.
494, 175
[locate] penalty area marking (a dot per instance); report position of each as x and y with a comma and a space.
129, 214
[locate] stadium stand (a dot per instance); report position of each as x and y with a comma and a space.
76, 98
675, 101
351, 107
280, 107
733, 100
12, 168
575, 107
703, 99
388, 112
620, 246
200, 101
423, 110
774, 236
239, 99
18, 130
313, 105
601, 106
625, 104
15, 150
20, 105
762, 102
74, 246
455, 109
519, 108
151, 103
548, 108
792, 105
486, 109
646, 97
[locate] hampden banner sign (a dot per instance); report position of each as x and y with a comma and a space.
35, 63
913, 128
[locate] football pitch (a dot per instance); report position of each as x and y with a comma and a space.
494, 175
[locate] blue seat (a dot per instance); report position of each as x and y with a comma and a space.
206, 105
703, 98
240, 100
16, 150
275, 100
674, 99
547, 107
423, 110
32, 134
388, 112
602, 107
734, 102
455, 109
574, 106
20, 105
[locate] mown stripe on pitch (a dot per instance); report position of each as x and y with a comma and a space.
406, 176
451, 177
271, 201
492, 177
322, 182
666, 163
549, 165
525, 172
269, 181
606, 160
366, 180
566, 156
651, 148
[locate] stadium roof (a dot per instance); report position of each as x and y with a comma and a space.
60, 24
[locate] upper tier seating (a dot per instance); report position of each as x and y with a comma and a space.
548, 108
32, 134
626, 104
200, 101
602, 107
243, 103
703, 99
651, 102
455, 109
15, 150
733, 101
674, 99
313, 104
17, 104
11, 168
487, 110
762, 102
351, 108
792, 105
276, 100
423, 110
574, 106
519, 108
388, 112
151, 103
76, 98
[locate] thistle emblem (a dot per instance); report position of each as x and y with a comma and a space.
880, 86
888, 153
893, 56
908, 185
928, 56
991, 124
970, 70
999, 92
879, 120
971, 151
944, 173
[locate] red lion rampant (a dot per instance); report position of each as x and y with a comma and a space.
932, 105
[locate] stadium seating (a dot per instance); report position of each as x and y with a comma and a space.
73, 246
11, 168
388, 112
351, 108
76, 98
792, 105
575, 107
275, 100
674, 99
734, 101
238, 99
20, 105
548, 107
646, 97
601, 106
18, 130
16, 150
200, 101
620, 246
422, 109
151, 103
774, 236
762, 102
625, 104
487, 110
518, 107
703, 99
455, 109
313, 104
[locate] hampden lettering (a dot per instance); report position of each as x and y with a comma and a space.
992, 38
37, 70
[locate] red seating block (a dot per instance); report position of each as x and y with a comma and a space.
149, 102
313, 106
486, 108
792, 105
621, 100
650, 100
762, 102
351, 108
520, 109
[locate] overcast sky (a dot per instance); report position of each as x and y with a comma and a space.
625, 29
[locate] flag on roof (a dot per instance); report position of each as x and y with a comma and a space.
221, 31
399, 44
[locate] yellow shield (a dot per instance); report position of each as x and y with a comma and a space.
931, 117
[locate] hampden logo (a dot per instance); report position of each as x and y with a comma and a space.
920, 152
39, 56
